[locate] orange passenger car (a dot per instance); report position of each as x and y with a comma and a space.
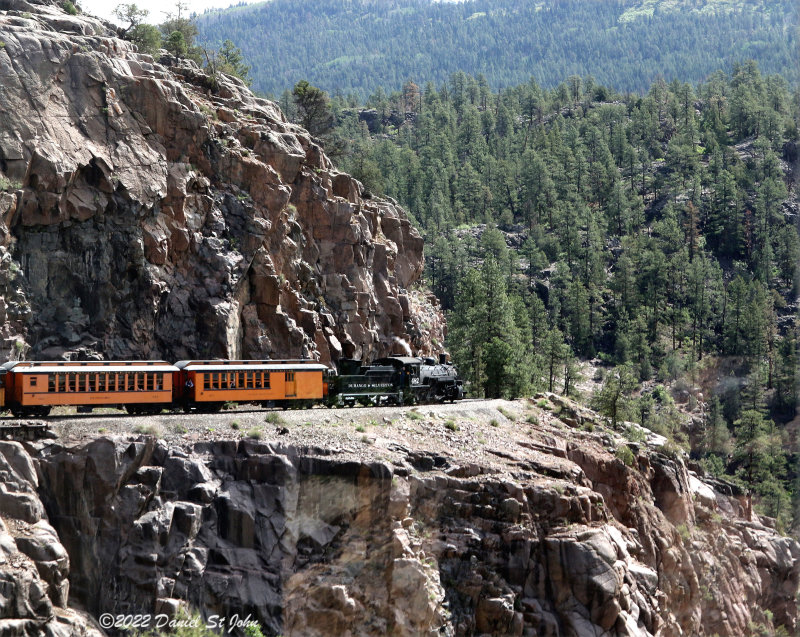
208, 385
33, 387
3, 372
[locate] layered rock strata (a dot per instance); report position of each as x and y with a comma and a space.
152, 211
552, 534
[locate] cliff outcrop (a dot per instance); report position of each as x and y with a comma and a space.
451, 520
150, 210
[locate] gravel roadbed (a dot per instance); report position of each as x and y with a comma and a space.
486, 432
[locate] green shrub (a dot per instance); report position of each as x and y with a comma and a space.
451, 425
714, 464
273, 419
8, 185
190, 625
146, 37
636, 434
147, 430
254, 433
625, 454
253, 631
69, 7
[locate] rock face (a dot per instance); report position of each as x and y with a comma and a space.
149, 210
558, 537
34, 565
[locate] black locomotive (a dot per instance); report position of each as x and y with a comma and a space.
396, 380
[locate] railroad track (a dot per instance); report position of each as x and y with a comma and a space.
11, 423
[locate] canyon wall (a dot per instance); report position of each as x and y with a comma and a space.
151, 211
548, 532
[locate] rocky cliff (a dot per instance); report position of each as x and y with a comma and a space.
151, 211
452, 520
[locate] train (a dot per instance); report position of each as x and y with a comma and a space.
33, 388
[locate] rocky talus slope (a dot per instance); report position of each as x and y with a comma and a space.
450, 520
148, 210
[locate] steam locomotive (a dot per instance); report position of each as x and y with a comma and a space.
32, 388
397, 380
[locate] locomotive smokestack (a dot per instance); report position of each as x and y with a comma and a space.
442, 359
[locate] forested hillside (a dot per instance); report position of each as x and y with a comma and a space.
658, 233
359, 45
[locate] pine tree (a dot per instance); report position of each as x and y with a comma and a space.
758, 452
555, 351
467, 331
231, 61
313, 108
614, 398
716, 435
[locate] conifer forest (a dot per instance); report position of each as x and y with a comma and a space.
595, 228
654, 234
